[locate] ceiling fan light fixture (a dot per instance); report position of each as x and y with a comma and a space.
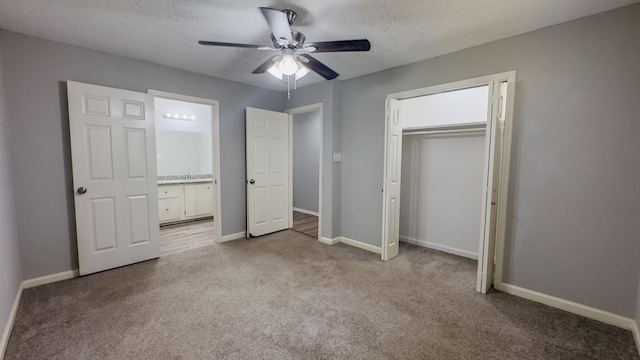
288, 65
302, 71
275, 70
278, 74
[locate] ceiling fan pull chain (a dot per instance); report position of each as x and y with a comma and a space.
288, 87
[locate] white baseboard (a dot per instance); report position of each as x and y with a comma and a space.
42, 280
328, 241
50, 278
443, 248
236, 236
308, 212
4, 341
361, 245
636, 335
570, 306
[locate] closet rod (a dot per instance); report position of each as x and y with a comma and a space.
436, 132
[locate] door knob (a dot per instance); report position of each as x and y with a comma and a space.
252, 181
82, 190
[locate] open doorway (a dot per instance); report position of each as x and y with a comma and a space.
188, 171
305, 158
446, 170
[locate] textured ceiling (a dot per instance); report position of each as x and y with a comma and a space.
401, 32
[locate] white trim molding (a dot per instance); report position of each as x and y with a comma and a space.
10, 321
361, 245
42, 280
570, 306
636, 334
236, 236
447, 249
328, 241
308, 212
47, 279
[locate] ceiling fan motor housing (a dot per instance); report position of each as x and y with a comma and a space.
297, 40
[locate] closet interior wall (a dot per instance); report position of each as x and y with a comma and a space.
442, 170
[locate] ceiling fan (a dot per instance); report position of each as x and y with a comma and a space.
294, 58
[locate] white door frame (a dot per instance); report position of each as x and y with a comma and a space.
215, 145
509, 77
297, 111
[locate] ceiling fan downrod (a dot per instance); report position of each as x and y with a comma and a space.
291, 15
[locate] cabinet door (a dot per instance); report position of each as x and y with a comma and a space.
170, 209
198, 199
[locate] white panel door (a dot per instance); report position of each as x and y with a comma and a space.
267, 171
491, 185
114, 176
391, 190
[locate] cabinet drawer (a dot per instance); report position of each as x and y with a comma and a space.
170, 209
169, 191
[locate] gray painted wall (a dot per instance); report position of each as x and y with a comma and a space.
573, 211
329, 94
10, 267
306, 160
35, 71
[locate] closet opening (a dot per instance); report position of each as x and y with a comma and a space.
446, 170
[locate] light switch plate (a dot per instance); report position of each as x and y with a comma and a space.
337, 157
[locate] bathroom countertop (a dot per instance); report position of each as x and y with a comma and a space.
184, 181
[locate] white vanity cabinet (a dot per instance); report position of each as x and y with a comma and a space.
177, 202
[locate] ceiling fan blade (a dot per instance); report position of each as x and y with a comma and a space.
248, 46
315, 65
265, 65
278, 23
336, 46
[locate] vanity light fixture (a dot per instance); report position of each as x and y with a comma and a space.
170, 115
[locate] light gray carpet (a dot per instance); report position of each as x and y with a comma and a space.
286, 296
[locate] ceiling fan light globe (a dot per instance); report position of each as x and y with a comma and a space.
302, 71
288, 65
275, 70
